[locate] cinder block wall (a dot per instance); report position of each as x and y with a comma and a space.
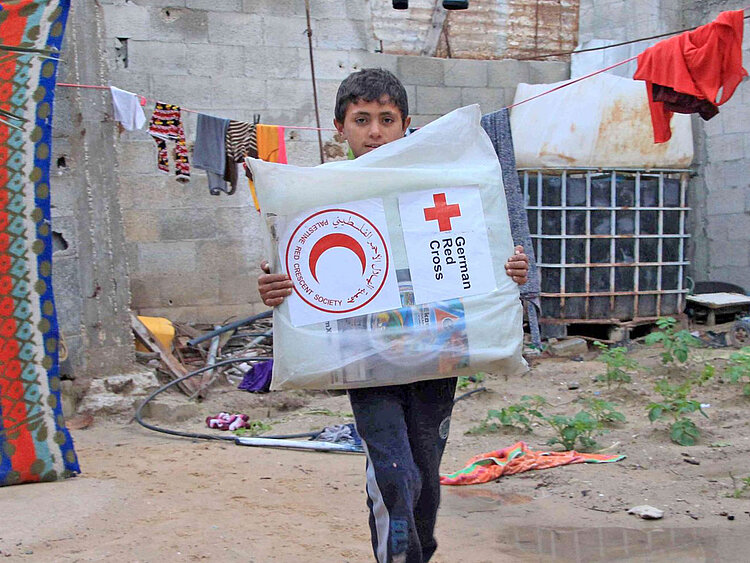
192, 256
720, 192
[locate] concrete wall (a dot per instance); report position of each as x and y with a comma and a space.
181, 252
720, 192
90, 273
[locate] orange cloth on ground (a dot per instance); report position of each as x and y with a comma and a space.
517, 458
699, 63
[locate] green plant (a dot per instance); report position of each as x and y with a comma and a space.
738, 369
580, 428
518, 415
742, 488
603, 411
465, 381
252, 428
675, 403
617, 362
677, 343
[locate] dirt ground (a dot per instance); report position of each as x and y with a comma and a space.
150, 497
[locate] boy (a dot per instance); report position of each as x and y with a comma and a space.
403, 427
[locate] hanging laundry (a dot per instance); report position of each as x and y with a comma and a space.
128, 110
209, 152
271, 143
696, 65
240, 142
166, 125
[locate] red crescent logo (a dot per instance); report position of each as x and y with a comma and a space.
335, 240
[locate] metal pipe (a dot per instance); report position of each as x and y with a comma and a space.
312, 72
290, 444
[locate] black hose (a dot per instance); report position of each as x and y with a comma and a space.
230, 326
477, 390
139, 411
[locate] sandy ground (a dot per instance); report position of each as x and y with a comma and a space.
146, 496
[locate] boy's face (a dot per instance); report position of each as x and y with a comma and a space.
368, 125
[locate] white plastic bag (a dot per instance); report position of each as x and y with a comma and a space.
337, 230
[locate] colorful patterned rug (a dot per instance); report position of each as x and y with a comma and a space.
34, 443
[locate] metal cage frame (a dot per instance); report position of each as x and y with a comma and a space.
666, 298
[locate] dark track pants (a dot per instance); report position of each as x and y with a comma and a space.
404, 429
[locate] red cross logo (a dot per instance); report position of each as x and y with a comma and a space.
442, 213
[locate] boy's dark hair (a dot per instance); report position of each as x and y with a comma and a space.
370, 85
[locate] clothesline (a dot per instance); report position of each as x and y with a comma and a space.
97, 87
579, 79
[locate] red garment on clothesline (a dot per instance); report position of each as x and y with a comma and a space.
699, 63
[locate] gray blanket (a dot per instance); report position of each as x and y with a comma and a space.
497, 126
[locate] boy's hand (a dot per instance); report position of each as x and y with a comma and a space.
517, 266
273, 288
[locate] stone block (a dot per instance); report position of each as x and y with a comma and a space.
263, 62
215, 5
167, 257
507, 73
158, 57
329, 65
289, 93
356, 9
725, 147
736, 173
218, 61
725, 253
145, 291
238, 92
340, 34
275, 7
464, 72
365, 59
166, 409
735, 117
176, 24
138, 157
196, 288
129, 21
738, 228
239, 223
229, 256
227, 28
489, 99
420, 71
724, 201
285, 31
547, 72
434, 100
141, 225
238, 289
187, 224
420, 120
569, 347
188, 91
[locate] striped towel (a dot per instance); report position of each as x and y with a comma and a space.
517, 458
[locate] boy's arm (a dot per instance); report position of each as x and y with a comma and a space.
274, 288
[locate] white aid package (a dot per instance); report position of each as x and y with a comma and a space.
397, 260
